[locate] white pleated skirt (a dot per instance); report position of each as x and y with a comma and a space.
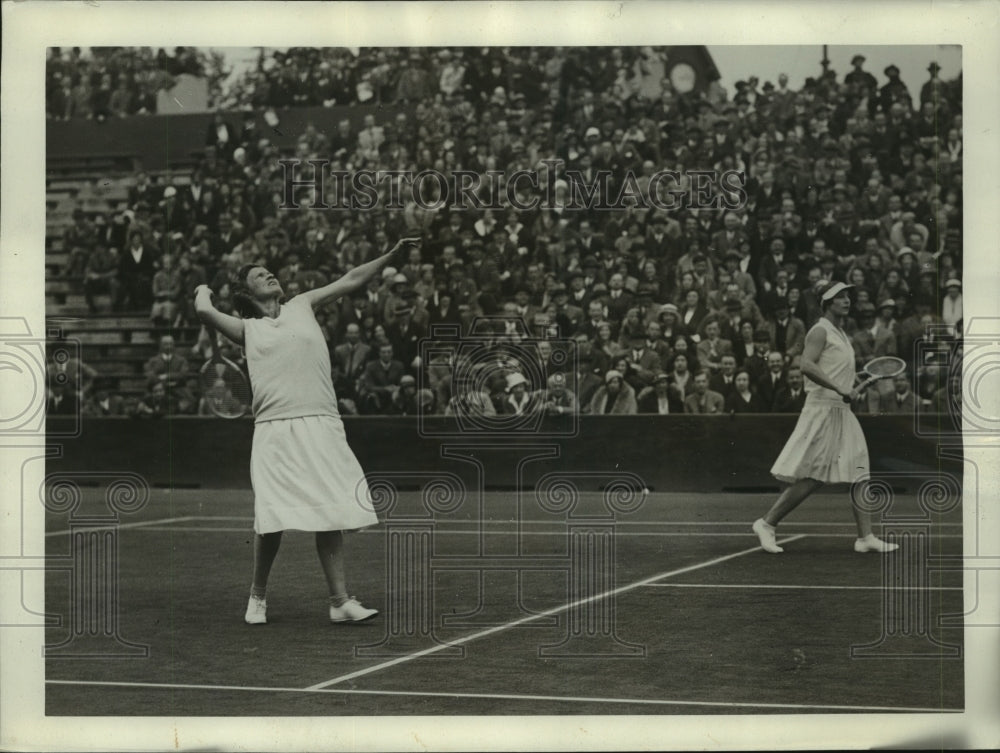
827, 444
305, 477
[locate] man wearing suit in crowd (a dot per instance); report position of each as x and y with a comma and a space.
757, 364
579, 295
655, 341
730, 239
771, 383
768, 271
787, 333
135, 275
644, 361
405, 335
792, 397
568, 315
595, 317
379, 381
619, 299
870, 340
349, 360
167, 366
712, 347
660, 399
901, 400
357, 307
723, 381
589, 243
661, 238
702, 399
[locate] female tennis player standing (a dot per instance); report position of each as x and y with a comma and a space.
303, 473
827, 445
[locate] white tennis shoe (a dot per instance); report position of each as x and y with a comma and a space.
871, 543
256, 611
765, 533
351, 611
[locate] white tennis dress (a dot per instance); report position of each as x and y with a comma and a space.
827, 443
304, 475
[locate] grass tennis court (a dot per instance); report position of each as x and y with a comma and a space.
705, 621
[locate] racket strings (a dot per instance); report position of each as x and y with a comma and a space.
226, 389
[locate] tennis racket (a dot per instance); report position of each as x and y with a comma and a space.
225, 390
883, 367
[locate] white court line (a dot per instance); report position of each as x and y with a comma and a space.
509, 697
554, 532
119, 526
539, 615
818, 587
741, 524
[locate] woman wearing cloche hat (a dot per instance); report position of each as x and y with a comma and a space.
827, 445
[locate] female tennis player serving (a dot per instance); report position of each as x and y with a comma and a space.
827, 445
303, 473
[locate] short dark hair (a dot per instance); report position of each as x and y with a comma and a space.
243, 301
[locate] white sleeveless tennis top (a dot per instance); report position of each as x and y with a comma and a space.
289, 364
836, 361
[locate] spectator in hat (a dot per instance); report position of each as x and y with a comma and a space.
786, 332
660, 398
741, 398
951, 304
559, 399
702, 399
862, 79
410, 401
771, 383
644, 361
934, 89
615, 396
518, 400
591, 366
757, 362
894, 91
104, 402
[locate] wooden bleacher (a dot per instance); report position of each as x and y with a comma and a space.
116, 345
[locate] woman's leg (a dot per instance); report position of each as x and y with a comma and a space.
791, 498
867, 541
330, 548
343, 608
265, 549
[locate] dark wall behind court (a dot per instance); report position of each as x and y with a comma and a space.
668, 453
170, 141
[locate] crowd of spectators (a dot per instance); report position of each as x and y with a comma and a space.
98, 83
638, 309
